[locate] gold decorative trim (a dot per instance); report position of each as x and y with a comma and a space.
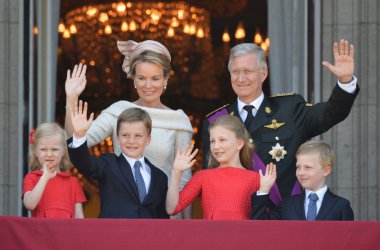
274, 124
216, 110
283, 94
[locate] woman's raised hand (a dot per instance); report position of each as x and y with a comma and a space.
76, 82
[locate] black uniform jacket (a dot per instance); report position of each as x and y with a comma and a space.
289, 121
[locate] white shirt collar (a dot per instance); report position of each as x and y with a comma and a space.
145, 170
256, 103
321, 193
132, 161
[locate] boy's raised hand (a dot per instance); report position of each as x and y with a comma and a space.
79, 119
267, 180
185, 159
76, 82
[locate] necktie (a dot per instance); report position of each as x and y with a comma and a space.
139, 181
312, 208
249, 118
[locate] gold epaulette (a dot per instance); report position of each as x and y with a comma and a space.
283, 94
216, 110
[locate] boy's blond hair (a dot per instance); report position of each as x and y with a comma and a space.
134, 115
321, 148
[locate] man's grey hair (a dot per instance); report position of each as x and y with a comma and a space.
248, 48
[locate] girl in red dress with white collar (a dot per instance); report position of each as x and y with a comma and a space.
50, 191
226, 187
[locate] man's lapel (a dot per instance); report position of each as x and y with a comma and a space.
233, 110
263, 116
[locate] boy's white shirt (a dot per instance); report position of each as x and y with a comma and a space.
77, 142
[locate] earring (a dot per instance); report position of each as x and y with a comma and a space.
165, 87
135, 85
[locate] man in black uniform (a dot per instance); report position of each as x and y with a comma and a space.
281, 123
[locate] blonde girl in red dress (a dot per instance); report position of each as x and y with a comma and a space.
226, 187
50, 191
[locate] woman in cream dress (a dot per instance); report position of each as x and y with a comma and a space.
148, 64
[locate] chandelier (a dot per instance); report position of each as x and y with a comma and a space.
89, 35
258, 39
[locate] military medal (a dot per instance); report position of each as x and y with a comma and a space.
274, 124
278, 152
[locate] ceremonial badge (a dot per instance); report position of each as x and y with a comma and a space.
274, 124
278, 152
268, 110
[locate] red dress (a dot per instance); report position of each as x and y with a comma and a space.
59, 197
225, 193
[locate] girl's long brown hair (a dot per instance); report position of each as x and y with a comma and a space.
233, 124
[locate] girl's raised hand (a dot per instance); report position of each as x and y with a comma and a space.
267, 180
79, 119
76, 82
184, 159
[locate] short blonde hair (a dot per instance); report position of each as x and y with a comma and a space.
49, 129
321, 148
234, 124
134, 115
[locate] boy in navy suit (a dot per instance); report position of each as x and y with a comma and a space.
315, 160
130, 186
